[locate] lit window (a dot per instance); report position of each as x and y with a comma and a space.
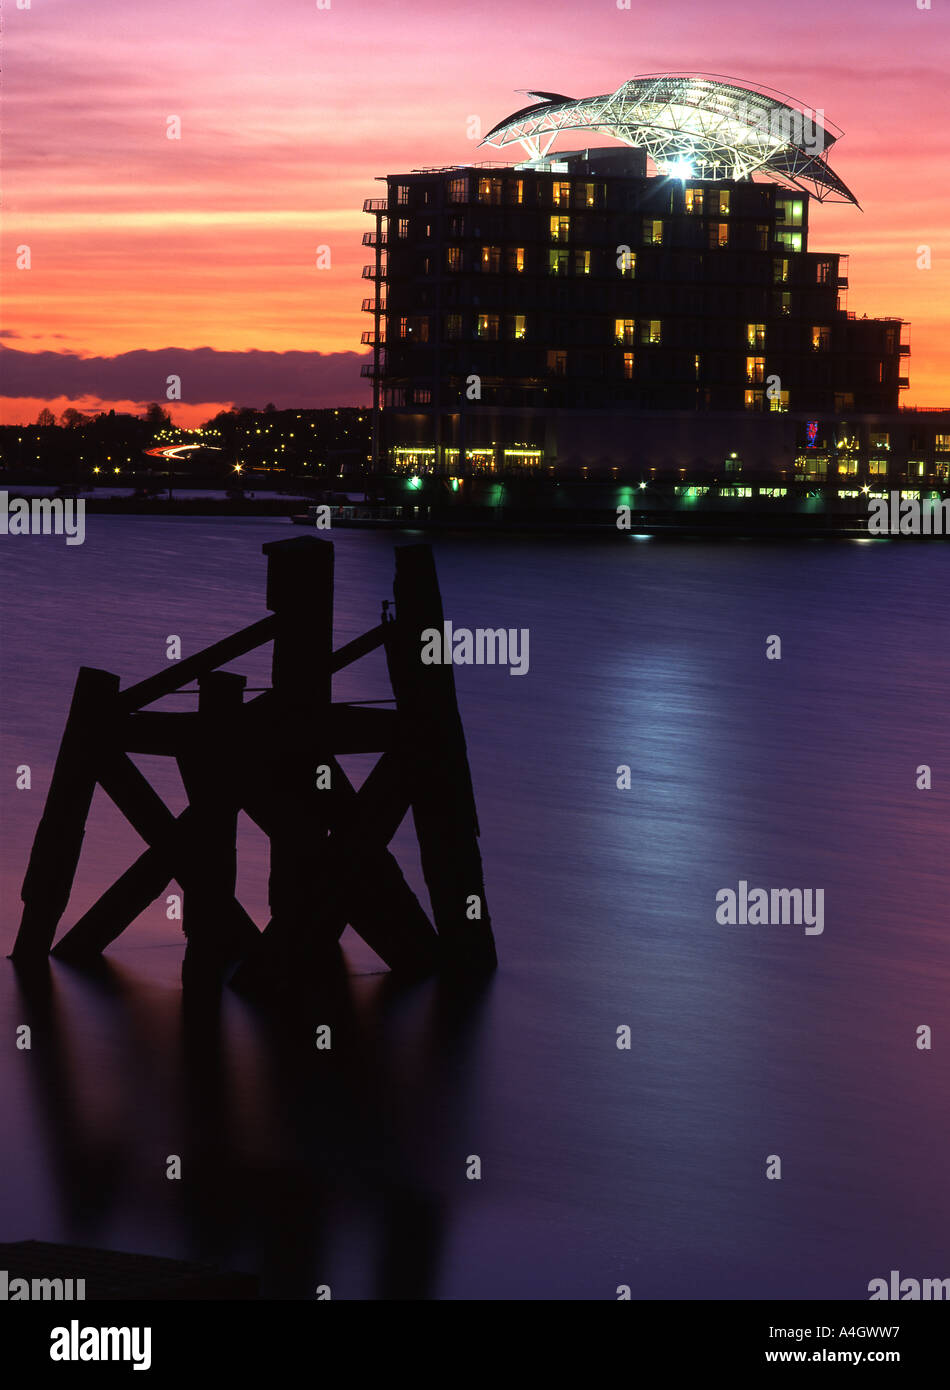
820, 339
780, 272
848, 467
561, 194
793, 240
557, 361
515, 188
422, 396
783, 302
586, 194
624, 330
560, 228
628, 366
453, 257
942, 443
755, 335
514, 259
489, 190
402, 194
823, 272
723, 202
789, 211
627, 263
652, 232
755, 369
651, 331
558, 261
453, 326
753, 400
779, 402
877, 467
696, 361
403, 227
487, 325
694, 200
516, 325
880, 440
458, 190
491, 259
718, 235
581, 262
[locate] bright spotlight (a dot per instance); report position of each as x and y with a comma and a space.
681, 169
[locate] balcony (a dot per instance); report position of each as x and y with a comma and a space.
904, 349
375, 239
368, 338
370, 306
842, 282
369, 272
375, 205
368, 369
903, 382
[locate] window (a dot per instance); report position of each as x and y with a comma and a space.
628, 366
422, 396
557, 362
624, 330
627, 263
755, 335
793, 240
942, 443
718, 235
651, 331
561, 195
453, 325
779, 402
755, 369
514, 259
877, 467
560, 228
820, 339
880, 440
753, 400
489, 190
789, 211
516, 326
403, 227
696, 365
848, 468
456, 226
586, 194
733, 464
458, 190
844, 400
402, 194
581, 262
558, 261
414, 329
783, 302
723, 202
514, 190
487, 325
823, 272
694, 200
652, 232
780, 272
453, 258
491, 259
762, 236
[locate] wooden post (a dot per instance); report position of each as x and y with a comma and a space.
214, 936
59, 835
443, 800
300, 595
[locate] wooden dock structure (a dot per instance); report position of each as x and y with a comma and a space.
330, 860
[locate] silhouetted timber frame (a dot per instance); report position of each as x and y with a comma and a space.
330, 862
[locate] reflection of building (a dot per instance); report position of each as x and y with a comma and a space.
570, 309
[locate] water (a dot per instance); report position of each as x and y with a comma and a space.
600, 1166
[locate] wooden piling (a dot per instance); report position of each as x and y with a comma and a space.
443, 800
59, 836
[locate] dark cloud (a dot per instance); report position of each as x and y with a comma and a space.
306, 379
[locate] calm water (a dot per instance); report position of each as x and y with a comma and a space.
599, 1166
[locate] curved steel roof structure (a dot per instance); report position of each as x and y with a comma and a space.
693, 125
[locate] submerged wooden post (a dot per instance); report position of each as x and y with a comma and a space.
214, 935
443, 800
59, 836
300, 595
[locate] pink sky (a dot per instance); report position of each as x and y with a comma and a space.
288, 114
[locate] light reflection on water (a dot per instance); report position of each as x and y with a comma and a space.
600, 1166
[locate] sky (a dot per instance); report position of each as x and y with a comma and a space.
152, 256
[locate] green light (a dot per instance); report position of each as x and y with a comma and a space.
455, 484
415, 483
